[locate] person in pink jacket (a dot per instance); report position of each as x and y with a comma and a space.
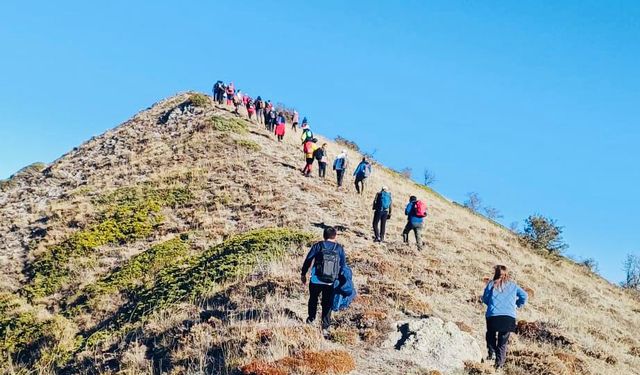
280, 126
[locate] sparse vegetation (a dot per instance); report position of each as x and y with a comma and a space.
406, 172
428, 177
473, 202
249, 145
319, 363
632, 272
347, 143
542, 233
223, 124
199, 100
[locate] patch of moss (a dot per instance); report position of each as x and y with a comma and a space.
199, 275
130, 214
29, 339
134, 273
199, 100
249, 145
232, 125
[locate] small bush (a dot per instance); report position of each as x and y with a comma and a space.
543, 233
541, 332
318, 363
199, 100
347, 143
232, 125
249, 145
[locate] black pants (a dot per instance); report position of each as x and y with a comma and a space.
327, 302
340, 176
417, 230
360, 184
498, 346
280, 138
380, 224
322, 169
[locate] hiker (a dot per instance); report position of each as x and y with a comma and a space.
307, 134
363, 170
321, 156
329, 261
218, 91
502, 296
381, 213
271, 124
280, 126
231, 90
259, 104
294, 121
237, 101
340, 164
416, 211
309, 149
251, 109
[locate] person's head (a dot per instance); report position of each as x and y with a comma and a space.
500, 276
343, 151
324, 145
413, 198
329, 233
384, 188
364, 159
280, 114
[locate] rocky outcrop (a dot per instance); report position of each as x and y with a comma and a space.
434, 344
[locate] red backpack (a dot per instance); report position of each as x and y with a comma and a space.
420, 209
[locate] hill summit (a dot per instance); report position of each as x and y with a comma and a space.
173, 244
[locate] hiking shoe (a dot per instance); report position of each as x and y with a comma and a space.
325, 333
309, 321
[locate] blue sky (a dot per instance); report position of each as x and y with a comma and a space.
534, 105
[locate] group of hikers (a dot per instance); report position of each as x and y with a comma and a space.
331, 277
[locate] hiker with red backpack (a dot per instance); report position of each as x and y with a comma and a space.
280, 126
230, 91
381, 213
329, 260
416, 211
251, 108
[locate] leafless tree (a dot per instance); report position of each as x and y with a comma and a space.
473, 202
492, 213
406, 172
632, 272
429, 177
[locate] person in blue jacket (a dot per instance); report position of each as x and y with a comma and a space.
502, 297
319, 287
414, 223
363, 170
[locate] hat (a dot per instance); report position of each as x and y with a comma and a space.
384, 188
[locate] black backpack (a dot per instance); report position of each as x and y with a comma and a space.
328, 264
318, 154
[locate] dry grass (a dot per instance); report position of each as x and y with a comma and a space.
312, 363
241, 179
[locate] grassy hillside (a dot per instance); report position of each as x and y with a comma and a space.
172, 244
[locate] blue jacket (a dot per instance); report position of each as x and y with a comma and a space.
314, 252
503, 302
409, 212
362, 170
344, 291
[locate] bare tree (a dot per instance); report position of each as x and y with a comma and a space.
406, 172
429, 177
492, 213
473, 202
632, 272
514, 226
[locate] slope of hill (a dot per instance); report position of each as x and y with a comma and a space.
172, 244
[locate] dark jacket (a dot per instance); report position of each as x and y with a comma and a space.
315, 254
377, 203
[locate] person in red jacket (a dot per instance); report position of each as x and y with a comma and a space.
280, 126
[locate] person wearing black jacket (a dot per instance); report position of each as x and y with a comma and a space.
318, 287
381, 213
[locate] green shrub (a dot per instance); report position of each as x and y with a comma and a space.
232, 125
131, 214
249, 145
543, 233
199, 275
199, 100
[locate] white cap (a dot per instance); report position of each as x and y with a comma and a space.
384, 188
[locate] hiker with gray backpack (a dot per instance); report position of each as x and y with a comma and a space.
328, 261
381, 213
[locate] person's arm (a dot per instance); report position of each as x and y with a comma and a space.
307, 263
486, 296
375, 200
522, 297
407, 209
343, 259
390, 208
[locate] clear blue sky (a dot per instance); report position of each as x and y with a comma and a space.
535, 105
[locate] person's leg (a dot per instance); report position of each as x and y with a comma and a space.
327, 304
383, 224
376, 221
340, 174
417, 230
357, 185
405, 232
490, 336
501, 352
312, 306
